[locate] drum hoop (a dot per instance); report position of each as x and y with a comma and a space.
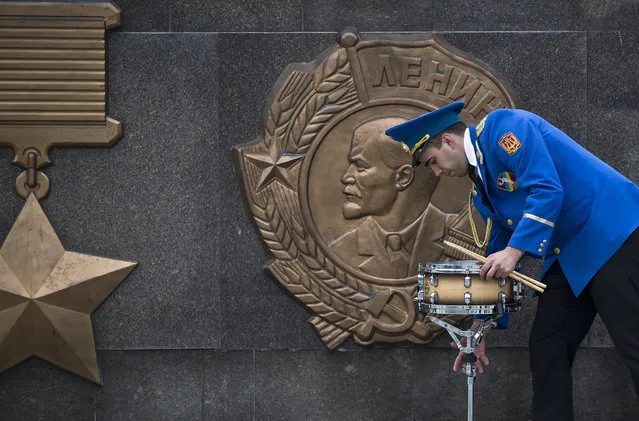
464, 309
452, 267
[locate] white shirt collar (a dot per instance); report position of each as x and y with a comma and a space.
470, 150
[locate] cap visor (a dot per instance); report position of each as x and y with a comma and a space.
416, 155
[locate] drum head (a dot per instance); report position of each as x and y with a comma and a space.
453, 266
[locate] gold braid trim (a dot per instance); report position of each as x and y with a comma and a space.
489, 225
420, 143
538, 219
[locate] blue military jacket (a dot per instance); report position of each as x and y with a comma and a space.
551, 197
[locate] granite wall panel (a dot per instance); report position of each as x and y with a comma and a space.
256, 312
199, 331
154, 197
236, 16
370, 16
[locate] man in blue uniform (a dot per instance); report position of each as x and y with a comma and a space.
548, 197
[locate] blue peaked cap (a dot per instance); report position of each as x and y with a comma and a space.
414, 134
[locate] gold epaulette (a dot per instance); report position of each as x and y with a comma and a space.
480, 126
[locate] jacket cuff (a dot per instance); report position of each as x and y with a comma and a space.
532, 235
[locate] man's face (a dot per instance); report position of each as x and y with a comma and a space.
369, 185
449, 160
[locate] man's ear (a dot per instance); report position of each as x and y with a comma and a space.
447, 138
404, 176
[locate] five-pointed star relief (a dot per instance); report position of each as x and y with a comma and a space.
274, 166
47, 296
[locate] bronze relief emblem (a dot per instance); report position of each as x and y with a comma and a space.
337, 202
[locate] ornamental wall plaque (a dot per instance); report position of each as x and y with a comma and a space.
52, 93
53, 83
339, 206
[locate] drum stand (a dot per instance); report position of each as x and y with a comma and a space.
473, 339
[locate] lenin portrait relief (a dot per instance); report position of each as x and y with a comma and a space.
338, 203
398, 226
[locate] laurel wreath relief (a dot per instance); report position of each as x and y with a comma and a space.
343, 304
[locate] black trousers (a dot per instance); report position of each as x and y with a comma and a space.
562, 321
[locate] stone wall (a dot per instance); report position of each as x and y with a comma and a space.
198, 331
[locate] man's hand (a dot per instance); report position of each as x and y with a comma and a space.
500, 264
480, 351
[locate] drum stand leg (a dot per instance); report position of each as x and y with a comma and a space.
473, 338
470, 372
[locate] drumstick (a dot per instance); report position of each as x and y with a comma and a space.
483, 260
532, 283
515, 275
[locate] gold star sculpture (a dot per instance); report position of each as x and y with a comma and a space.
274, 166
47, 296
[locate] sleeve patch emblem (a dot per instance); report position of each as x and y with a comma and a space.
509, 143
507, 181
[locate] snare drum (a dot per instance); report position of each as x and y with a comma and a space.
454, 287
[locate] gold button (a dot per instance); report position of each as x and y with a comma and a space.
544, 241
540, 250
474, 192
541, 244
557, 250
510, 222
